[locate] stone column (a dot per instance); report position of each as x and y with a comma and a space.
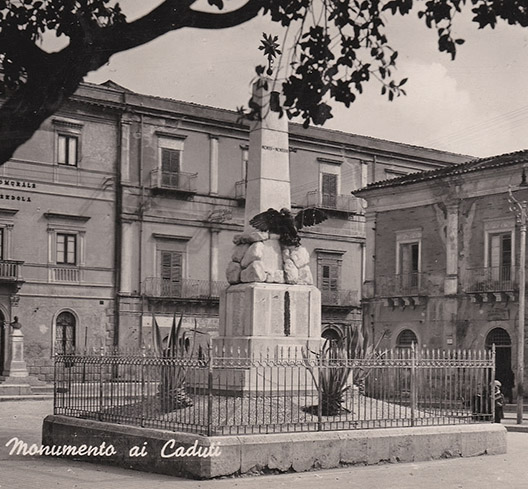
268, 179
127, 240
370, 254
125, 151
16, 366
213, 164
451, 279
213, 271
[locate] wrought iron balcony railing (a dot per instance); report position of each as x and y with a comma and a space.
402, 284
11, 270
342, 298
491, 279
344, 203
185, 289
178, 181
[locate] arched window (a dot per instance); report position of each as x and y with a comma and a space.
331, 334
406, 338
498, 337
65, 326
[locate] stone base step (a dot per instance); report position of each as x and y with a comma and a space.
31, 397
15, 389
33, 381
42, 389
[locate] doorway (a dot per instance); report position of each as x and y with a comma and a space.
503, 356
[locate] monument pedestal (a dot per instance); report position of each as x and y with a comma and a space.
261, 318
16, 366
262, 325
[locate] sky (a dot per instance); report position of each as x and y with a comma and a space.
476, 105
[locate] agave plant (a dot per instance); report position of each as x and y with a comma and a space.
335, 374
176, 355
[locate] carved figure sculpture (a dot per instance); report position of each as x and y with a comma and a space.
286, 225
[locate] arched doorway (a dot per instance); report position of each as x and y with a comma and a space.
503, 353
331, 334
406, 339
65, 332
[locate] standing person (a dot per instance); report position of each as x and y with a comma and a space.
498, 397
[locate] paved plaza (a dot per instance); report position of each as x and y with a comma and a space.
23, 419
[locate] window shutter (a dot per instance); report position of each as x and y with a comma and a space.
170, 160
329, 189
171, 273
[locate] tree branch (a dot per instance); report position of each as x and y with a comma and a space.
53, 77
22, 50
172, 15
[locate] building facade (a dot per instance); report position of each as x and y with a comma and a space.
124, 207
443, 259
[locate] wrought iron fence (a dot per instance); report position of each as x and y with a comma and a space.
185, 288
182, 181
413, 283
492, 279
340, 297
287, 391
330, 201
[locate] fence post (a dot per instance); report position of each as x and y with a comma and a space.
413, 383
101, 389
55, 383
492, 386
143, 356
210, 389
320, 393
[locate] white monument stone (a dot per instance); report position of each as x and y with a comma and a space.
264, 315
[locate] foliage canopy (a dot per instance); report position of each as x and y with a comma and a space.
339, 46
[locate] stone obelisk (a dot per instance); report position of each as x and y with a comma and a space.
268, 173
271, 304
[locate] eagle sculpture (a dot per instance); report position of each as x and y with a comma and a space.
286, 225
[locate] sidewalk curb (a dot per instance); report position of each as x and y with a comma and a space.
29, 397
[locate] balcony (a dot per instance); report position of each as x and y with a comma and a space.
11, 271
186, 289
65, 274
491, 283
333, 202
403, 289
240, 190
174, 182
339, 298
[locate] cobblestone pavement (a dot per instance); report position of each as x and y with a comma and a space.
23, 419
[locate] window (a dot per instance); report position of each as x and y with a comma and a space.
329, 275
171, 263
408, 259
65, 329
406, 339
245, 160
170, 160
409, 263
67, 141
500, 255
329, 190
498, 337
66, 249
67, 153
329, 182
